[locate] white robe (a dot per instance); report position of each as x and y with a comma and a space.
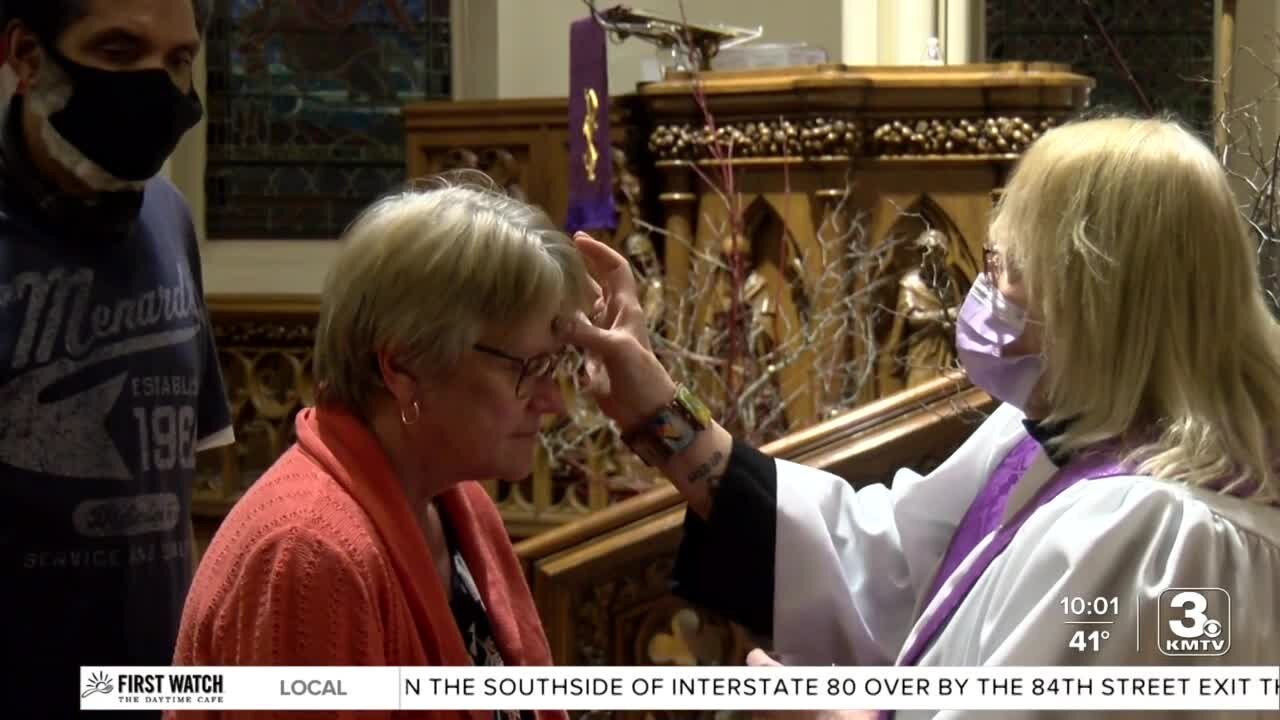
853, 566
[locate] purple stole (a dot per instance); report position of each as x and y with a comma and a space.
591, 205
983, 518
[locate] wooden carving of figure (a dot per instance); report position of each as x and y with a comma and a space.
928, 302
644, 259
627, 198
628, 188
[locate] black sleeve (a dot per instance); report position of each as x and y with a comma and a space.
726, 564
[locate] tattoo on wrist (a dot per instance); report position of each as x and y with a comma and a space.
703, 471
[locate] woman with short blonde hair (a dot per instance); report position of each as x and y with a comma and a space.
1128, 478
370, 542
425, 272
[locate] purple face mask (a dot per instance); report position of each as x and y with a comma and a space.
987, 325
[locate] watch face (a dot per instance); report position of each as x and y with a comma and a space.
672, 430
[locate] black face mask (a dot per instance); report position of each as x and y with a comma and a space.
128, 122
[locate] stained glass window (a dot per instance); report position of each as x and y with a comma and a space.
303, 101
1168, 45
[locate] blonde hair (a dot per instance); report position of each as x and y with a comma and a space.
423, 273
1156, 331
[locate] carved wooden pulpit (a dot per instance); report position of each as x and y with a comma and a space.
848, 205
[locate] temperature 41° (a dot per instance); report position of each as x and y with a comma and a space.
1088, 640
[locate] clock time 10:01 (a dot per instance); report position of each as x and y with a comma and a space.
1080, 611
1085, 607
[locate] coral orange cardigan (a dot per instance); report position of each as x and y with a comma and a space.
323, 563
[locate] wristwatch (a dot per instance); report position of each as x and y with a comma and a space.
670, 430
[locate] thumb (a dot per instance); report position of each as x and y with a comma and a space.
594, 342
759, 658
587, 336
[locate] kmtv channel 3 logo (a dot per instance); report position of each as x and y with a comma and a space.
1195, 622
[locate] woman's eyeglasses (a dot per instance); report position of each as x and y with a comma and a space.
536, 367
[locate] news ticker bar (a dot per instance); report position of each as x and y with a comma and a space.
676, 688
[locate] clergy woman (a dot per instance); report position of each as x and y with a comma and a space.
1121, 322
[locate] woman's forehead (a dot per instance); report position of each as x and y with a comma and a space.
539, 331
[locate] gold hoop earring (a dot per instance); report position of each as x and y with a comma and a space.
417, 413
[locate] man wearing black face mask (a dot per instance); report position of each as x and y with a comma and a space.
109, 383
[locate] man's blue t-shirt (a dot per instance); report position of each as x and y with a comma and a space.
109, 383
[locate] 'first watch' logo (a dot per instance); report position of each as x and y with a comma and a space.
1195, 622
97, 683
